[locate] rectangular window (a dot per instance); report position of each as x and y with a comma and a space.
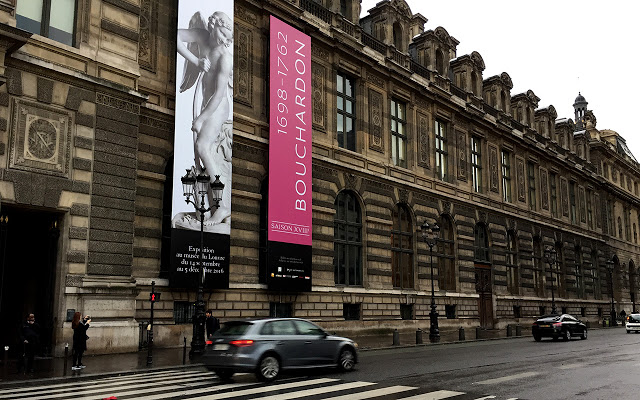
351, 311
572, 201
599, 312
450, 311
506, 176
476, 164
398, 134
531, 172
441, 150
345, 99
583, 311
54, 19
553, 190
517, 312
542, 310
280, 310
589, 209
406, 311
183, 312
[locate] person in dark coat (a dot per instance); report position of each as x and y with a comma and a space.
80, 337
30, 338
212, 324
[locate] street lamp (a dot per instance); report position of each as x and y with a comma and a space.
551, 255
613, 309
430, 236
193, 186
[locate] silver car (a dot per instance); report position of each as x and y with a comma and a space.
269, 346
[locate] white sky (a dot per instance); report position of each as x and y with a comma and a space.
555, 48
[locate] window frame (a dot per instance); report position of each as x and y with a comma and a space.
505, 167
531, 174
553, 192
446, 255
476, 164
440, 149
401, 270
398, 153
349, 141
511, 262
349, 245
45, 22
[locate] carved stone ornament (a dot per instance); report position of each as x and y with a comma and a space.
446, 207
403, 196
462, 156
423, 139
521, 179
350, 181
375, 121
40, 138
482, 217
318, 82
583, 206
493, 169
598, 207
243, 59
564, 193
148, 30
544, 188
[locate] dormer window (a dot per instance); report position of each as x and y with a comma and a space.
440, 62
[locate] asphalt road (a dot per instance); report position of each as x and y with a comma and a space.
605, 366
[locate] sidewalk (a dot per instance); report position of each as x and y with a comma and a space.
56, 368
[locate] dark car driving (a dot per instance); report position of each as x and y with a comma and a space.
269, 346
558, 326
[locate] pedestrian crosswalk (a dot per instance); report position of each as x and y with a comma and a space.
199, 384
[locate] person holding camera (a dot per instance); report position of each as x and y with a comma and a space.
80, 326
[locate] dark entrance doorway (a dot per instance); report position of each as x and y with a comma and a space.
485, 298
28, 255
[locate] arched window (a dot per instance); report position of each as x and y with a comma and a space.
402, 248
264, 224
579, 273
347, 240
595, 273
439, 62
511, 263
167, 203
503, 101
632, 282
559, 273
474, 83
446, 255
397, 36
538, 267
481, 243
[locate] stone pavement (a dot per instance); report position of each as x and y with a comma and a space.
106, 364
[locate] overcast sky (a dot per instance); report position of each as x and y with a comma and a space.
555, 48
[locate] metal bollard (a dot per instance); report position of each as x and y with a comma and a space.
184, 351
396, 338
461, 334
509, 331
419, 336
5, 361
66, 358
478, 333
518, 330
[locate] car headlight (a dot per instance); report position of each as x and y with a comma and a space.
355, 345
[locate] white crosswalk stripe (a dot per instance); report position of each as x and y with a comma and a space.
199, 384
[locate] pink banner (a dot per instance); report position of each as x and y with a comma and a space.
289, 135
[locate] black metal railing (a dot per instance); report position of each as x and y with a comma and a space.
419, 69
316, 10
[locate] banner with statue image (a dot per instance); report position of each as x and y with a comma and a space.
202, 143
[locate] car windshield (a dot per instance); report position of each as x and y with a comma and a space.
234, 328
634, 318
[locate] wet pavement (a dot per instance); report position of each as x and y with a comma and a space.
122, 363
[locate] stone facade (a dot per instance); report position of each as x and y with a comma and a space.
542, 182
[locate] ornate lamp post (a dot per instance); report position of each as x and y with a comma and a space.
198, 186
613, 309
430, 236
551, 255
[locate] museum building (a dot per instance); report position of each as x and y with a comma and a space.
534, 209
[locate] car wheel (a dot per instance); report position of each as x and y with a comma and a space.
268, 368
347, 360
584, 335
567, 335
537, 338
224, 374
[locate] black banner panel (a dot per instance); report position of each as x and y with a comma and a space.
289, 267
185, 253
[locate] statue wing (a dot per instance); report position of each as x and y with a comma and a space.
191, 71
